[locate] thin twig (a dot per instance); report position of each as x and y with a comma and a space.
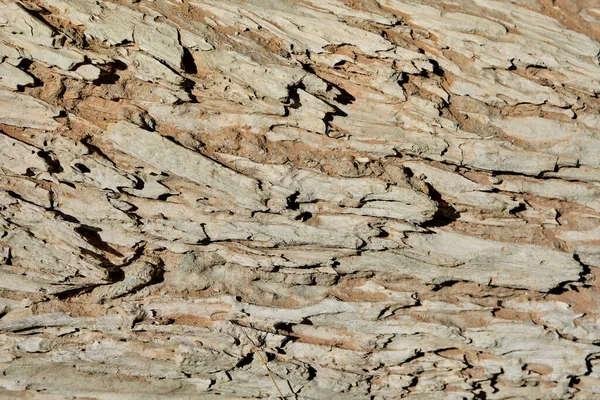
268, 371
263, 361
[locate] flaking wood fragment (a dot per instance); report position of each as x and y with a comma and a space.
350, 199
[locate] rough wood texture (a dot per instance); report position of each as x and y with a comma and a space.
374, 199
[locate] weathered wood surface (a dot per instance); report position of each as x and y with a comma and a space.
380, 199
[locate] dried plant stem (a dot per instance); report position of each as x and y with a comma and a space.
262, 360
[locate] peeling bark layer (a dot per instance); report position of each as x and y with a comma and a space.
334, 199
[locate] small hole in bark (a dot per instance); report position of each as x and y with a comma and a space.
81, 168
305, 216
188, 63
292, 203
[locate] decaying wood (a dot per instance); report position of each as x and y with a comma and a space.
316, 199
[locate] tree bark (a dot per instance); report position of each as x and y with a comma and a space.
316, 199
